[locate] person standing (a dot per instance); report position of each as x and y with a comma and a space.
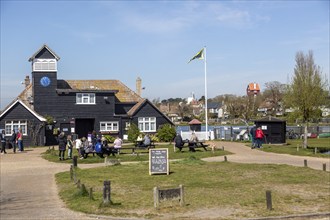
259, 136
253, 136
3, 142
19, 138
178, 142
13, 141
61, 145
69, 144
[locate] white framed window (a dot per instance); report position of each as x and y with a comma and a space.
147, 124
85, 98
44, 65
109, 126
15, 125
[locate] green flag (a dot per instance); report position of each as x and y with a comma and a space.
199, 55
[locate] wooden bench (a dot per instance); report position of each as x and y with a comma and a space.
136, 147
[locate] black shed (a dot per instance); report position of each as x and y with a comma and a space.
273, 128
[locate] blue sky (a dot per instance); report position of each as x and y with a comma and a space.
246, 41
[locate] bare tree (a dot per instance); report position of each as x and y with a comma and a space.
274, 93
35, 130
307, 91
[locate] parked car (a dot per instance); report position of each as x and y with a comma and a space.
309, 135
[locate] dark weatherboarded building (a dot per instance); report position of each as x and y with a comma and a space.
273, 128
75, 106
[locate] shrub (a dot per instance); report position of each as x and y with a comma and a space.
133, 132
109, 138
166, 133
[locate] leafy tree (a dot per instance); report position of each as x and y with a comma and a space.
166, 133
306, 93
133, 132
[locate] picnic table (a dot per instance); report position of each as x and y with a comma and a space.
195, 144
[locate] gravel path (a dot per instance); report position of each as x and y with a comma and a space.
28, 189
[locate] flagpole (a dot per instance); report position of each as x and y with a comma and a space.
206, 120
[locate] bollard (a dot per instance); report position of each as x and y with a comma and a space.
75, 161
181, 195
324, 167
315, 150
297, 147
223, 148
225, 158
305, 163
269, 200
106, 191
91, 193
156, 197
71, 172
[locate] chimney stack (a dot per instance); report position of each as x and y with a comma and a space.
138, 86
27, 81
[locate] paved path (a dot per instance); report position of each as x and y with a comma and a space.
28, 189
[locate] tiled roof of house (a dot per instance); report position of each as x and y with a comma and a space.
132, 111
124, 93
195, 122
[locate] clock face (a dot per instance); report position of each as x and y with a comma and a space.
45, 81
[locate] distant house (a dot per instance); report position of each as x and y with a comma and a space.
216, 108
78, 107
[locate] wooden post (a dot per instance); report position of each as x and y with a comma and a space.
324, 167
181, 195
305, 163
106, 191
297, 147
156, 197
315, 150
75, 161
71, 172
223, 148
225, 158
91, 193
74, 177
78, 184
269, 199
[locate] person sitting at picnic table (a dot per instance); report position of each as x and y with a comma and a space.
117, 143
139, 140
178, 141
192, 142
146, 141
101, 148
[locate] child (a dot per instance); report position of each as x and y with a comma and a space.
70, 146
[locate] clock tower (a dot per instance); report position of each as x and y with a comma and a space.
44, 79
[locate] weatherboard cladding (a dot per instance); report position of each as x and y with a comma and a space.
19, 113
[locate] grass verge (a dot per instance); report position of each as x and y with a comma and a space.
220, 190
294, 147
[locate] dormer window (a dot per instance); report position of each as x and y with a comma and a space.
85, 98
44, 65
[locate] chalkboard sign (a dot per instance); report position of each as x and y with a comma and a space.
158, 161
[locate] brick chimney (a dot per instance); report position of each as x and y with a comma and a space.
138, 86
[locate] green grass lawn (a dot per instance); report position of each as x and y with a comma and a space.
294, 147
223, 190
142, 155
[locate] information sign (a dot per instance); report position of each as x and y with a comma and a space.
158, 161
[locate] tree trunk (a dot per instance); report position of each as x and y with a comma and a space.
305, 135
